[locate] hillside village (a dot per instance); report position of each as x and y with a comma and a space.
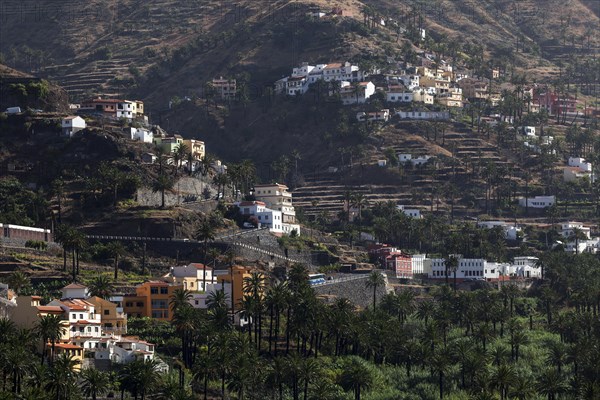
421, 222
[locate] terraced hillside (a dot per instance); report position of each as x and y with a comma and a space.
457, 160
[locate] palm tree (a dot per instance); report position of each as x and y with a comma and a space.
179, 154
183, 320
19, 362
451, 263
94, 382
61, 376
58, 190
440, 363
557, 355
356, 375
138, 377
522, 388
62, 235
359, 201
50, 329
374, 281
115, 250
162, 184
204, 233
101, 286
551, 383
18, 280
276, 300
576, 235
254, 286
504, 375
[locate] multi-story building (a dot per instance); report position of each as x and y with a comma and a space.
71, 125
266, 217
401, 263
226, 89
305, 75
151, 300
357, 93
169, 144
192, 277
85, 325
451, 98
196, 147
468, 268
235, 276
567, 229
276, 197
113, 108
112, 316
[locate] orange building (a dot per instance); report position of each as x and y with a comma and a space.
238, 274
151, 299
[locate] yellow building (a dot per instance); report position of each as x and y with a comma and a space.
113, 319
151, 299
237, 274
196, 148
75, 352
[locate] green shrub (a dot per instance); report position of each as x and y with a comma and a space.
36, 244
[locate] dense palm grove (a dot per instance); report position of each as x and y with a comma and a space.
482, 344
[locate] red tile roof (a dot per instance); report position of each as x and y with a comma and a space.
67, 346
251, 203
50, 309
75, 285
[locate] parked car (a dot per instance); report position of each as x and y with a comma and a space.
248, 225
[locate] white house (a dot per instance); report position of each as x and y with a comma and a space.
417, 263
75, 291
423, 96
537, 201
140, 134
266, 217
526, 130
468, 268
71, 125
567, 229
357, 95
126, 109
410, 212
425, 115
381, 115
580, 163
123, 350
578, 168
399, 96
304, 75
526, 267
511, 232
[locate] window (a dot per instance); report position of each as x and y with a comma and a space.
139, 304
73, 316
128, 304
164, 290
154, 290
96, 329
106, 312
80, 316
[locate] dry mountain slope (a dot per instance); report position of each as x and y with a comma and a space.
100, 40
